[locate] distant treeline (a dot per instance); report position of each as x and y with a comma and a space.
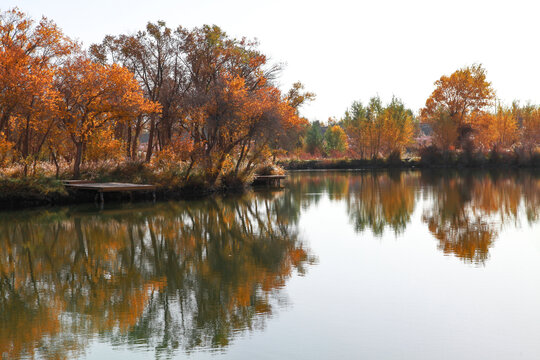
462, 122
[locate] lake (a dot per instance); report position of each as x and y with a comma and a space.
337, 265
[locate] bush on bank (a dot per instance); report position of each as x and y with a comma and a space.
21, 192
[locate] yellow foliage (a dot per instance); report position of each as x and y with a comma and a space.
102, 145
445, 130
6, 150
530, 126
463, 92
496, 131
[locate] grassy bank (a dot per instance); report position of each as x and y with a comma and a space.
345, 164
32, 192
43, 187
429, 158
35, 191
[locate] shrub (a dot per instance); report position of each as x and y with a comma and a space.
430, 155
20, 191
394, 158
269, 169
232, 181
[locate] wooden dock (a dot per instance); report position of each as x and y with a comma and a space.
101, 188
269, 180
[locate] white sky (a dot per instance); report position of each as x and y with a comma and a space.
343, 50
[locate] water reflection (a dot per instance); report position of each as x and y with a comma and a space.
464, 210
190, 275
168, 276
470, 209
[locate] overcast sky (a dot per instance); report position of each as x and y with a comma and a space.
343, 50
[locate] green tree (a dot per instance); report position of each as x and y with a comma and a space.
335, 139
314, 138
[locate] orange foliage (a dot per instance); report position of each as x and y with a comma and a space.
6, 149
94, 96
29, 59
496, 131
530, 126
377, 130
455, 98
465, 91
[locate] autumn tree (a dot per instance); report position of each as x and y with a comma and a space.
398, 128
220, 109
464, 92
30, 55
528, 117
365, 128
231, 108
292, 139
297, 96
445, 132
156, 58
216, 93
497, 131
275, 128
93, 97
378, 130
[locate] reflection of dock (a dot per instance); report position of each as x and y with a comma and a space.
269, 180
101, 188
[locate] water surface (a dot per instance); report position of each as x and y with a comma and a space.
348, 265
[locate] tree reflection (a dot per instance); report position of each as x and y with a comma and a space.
171, 276
469, 209
375, 200
381, 199
464, 210
188, 275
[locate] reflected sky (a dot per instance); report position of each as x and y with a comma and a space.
376, 265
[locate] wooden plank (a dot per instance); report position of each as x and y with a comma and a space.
269, 177
69, 182
112, 187
268, 180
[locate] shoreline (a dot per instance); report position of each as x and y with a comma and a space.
379, 164
61, 195
46, 192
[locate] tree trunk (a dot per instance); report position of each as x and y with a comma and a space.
128, 141
77, 160
135, 140
4, 122
240, 159
188, 172
26, 141
55, 160
150, 139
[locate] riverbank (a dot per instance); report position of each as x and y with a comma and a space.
345, 164
36, 192
427, 161
43, 186
18, 192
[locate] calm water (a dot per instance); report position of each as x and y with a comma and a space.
339, 265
